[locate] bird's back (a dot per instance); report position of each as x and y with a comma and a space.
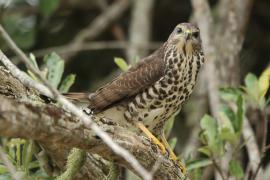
130, 83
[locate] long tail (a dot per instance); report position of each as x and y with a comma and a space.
79, 97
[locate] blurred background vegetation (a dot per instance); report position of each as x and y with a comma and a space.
88, 41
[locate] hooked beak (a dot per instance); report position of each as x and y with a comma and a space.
187, 34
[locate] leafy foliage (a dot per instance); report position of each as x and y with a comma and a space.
121, 63
55, 67
47, 7
21, 29
199, 163
236, 169
228, 126
75, 161
22, 153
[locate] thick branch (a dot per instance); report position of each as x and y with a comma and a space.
84, 120
50, 124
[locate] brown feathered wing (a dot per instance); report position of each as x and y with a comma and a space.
127, 84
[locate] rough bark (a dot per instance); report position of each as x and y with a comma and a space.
24, 114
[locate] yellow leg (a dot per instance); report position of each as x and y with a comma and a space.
151, 136
172, 155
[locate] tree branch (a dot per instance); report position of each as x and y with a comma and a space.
98, 25
84, 119
49, 124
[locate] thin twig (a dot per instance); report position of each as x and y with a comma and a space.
12, 170
265, 132
116, 29
263, 146
217, 167
99, 24
251, 145
257, 169
84, 120
93, 45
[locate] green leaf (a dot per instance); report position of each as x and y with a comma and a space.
34, 164
196, 174
264, 81
32, 75
5, 177
121, 63
47, 7
226, 128
230, 114
114, 172
236, 169
27, 154
227, 134
21, 28
198, 163
75, 161
252, 86
67, 83
55, 67
169, 125
173, 142
210, 133
229, 94
33, 61
239, 114
205, 150
18, 154
3, 169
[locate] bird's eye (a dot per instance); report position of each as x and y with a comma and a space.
195, 34
178, 30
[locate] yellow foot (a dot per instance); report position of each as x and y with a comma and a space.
151, 137
172, 156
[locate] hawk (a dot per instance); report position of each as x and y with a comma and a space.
144, 97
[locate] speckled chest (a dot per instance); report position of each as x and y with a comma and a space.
161, 100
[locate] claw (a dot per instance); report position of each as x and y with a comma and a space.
172, 156
163, 148
152, 137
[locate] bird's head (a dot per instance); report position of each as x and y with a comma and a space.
185, 38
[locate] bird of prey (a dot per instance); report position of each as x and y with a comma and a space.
144, 97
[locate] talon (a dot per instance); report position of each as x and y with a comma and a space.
151, 137
182, 167
163, 148
159, 144
172, 156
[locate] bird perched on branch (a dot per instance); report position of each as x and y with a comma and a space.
145, 96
